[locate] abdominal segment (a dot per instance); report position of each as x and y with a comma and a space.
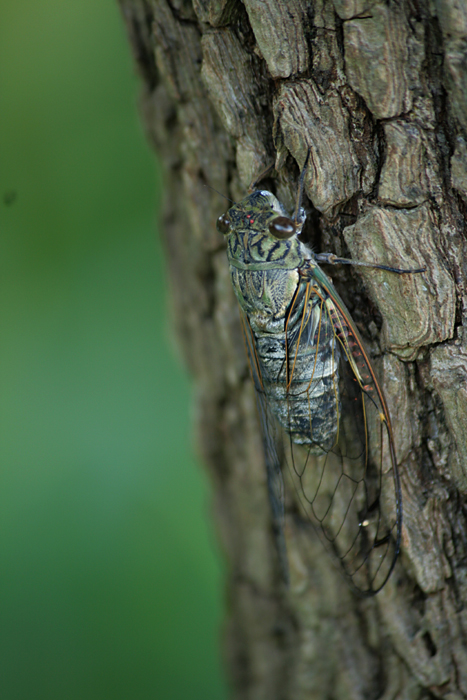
300, 379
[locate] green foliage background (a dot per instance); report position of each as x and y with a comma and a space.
109, 579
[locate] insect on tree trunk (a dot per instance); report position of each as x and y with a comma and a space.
377, 92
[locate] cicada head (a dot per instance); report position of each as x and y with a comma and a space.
260, 230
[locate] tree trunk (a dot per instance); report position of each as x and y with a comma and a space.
377, 91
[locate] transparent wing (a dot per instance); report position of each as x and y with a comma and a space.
271, 447
326, 403
350, 489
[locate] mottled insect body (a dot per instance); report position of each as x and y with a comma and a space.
313, 376
267, 282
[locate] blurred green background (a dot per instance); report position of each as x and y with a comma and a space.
110, 583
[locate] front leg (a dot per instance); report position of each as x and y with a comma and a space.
332, 259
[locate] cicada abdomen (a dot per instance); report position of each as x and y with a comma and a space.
317, 388
292, 360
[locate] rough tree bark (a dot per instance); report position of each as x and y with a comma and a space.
378, 91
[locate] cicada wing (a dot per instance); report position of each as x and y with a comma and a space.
270, 435
344, 470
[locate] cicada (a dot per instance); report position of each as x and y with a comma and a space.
321, 407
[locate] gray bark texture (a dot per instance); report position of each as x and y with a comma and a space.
378, 92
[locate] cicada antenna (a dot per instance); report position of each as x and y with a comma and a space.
260, 177
219, 193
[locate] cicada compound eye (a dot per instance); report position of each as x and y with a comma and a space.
223, 224
282, 227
